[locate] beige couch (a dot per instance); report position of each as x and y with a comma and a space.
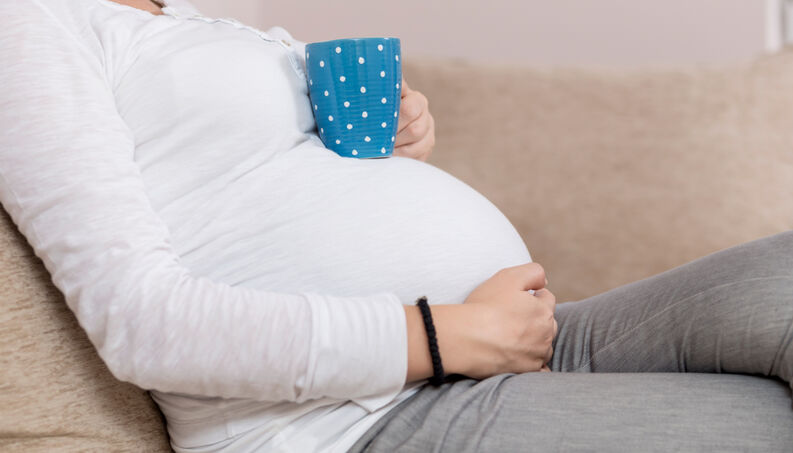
610, 176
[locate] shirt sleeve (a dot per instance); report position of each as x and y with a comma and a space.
70, 183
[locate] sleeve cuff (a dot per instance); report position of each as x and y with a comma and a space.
358, 349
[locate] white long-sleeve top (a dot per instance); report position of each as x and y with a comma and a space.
167, 171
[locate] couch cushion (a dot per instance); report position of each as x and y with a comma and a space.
615, 175
55, 392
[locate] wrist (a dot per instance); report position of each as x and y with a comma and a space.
451, 325
454, 324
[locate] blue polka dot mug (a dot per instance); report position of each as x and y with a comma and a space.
354, 86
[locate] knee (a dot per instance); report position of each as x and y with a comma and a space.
756, 306
765, 310
774, 294
772, 255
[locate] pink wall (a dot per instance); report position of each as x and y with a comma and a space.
537, 32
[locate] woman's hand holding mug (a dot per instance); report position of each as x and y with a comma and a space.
416, 127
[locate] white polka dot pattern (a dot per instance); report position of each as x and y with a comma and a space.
353, 118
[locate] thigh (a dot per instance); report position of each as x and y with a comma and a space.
730, 311
628, 412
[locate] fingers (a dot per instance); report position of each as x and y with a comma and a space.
412, 105
415, 131
525, 276
420, 150
415, 136
548, 355
545, 369
547, 298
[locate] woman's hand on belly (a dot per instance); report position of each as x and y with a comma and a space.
416, 128
501, 328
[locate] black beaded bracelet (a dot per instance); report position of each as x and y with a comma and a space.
437, 365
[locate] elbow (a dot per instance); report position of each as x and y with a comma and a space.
131, 322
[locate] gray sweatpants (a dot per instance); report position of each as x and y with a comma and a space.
729, 312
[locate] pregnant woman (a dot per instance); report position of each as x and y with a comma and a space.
166, 168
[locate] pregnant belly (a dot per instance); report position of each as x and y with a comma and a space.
313, 221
